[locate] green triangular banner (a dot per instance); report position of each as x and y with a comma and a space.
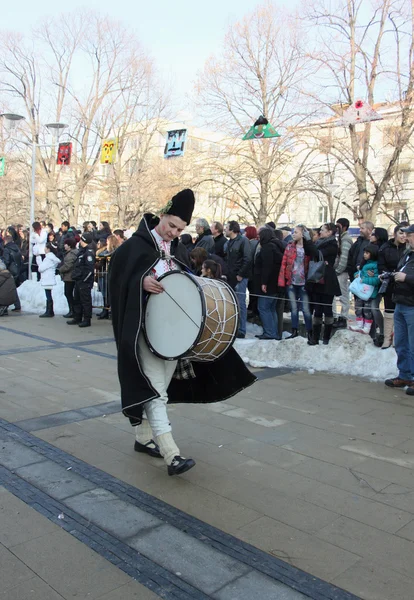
260, 130
2, 166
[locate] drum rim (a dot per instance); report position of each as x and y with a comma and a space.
203, 320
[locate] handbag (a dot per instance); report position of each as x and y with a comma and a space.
364, 291
316, 270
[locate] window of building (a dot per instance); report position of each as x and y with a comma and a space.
195, 144
132, 166
391, 136
323, 214
400, 214
105, 170
214, 150
325, 144
403, 176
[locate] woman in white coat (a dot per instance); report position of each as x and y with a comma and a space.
38, 239
47, 269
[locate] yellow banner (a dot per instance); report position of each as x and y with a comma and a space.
108, 152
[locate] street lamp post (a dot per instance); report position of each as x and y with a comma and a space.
56, 129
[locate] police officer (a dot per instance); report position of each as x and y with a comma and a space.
82, 274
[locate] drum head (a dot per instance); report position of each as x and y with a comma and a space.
173, 319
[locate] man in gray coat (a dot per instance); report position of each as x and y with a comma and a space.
345, 244
205, 237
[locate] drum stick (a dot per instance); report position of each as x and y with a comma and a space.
186, 313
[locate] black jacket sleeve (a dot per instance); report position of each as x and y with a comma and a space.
245, 269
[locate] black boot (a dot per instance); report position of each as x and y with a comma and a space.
316, 332
340, 323
310, 333
74, 321
379, 340
100, 315
327, 332
70, 314
104, 314
85, 323
294, 334
49, 310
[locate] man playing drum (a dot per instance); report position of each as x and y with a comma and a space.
147, 381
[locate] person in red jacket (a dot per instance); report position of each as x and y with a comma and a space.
292, 275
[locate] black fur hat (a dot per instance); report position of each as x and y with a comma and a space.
181, 205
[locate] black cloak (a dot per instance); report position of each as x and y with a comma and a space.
214, 381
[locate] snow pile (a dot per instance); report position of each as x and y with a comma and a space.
33, 298
348, 353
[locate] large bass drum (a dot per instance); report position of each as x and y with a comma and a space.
195, 318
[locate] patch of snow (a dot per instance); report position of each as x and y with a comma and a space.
348, 353
33, 298
252, 330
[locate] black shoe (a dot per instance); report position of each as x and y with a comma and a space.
240, 336
70, 315
73, 322
340, 323
16, 310
309, 335
265, 337
379, 340
103, 315
150, 448
294, 334
85, 323
180, 465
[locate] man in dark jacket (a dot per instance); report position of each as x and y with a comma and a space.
147, 381
238, 255
82, 274
66, 232
12, 258
266, 274
219, 239
205, 238
404, 318
356, 253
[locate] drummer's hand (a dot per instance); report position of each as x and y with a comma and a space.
152, 286
264, 289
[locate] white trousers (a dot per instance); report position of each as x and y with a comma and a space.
343, 280
160, 373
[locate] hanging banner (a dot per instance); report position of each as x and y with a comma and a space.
64, 153
175, 142
108, 152
2, 166
359, 112
260, 130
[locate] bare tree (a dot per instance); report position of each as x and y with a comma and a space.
259, 71
89, 71
364, 54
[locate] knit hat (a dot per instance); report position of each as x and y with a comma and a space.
181, 205
87, 238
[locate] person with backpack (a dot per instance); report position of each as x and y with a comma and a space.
12, 258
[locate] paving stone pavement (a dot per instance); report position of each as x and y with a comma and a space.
316, 470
